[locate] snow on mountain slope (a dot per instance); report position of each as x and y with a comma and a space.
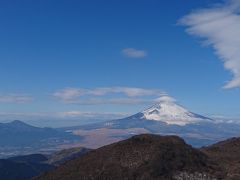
168, 111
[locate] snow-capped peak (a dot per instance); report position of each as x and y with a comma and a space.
168, 111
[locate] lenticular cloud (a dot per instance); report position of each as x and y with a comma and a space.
220, 27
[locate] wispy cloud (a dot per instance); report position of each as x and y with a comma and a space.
15, 98
69, 94
102, 115
66, 115
219, 25
118, 95
134, 53
99, 101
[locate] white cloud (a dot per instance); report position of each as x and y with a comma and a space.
80, 114
165, 98
219, 25
15, 98
66, 115
69, 94
99, 101
118, 95
134, 53
129, 91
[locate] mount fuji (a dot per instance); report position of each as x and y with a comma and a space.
171, 113
166, 112
166, 117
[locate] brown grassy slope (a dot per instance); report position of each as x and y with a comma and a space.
227, 155
140, 157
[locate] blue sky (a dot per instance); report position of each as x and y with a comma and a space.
56, 55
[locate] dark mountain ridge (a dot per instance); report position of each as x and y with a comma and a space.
140, 157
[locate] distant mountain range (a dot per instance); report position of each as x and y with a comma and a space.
18, 137
165, 117
154, 157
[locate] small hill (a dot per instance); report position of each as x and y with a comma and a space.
20, 170
27, 166
140, 157
227, 154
